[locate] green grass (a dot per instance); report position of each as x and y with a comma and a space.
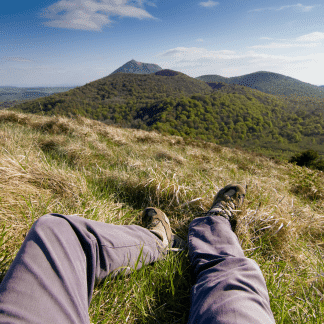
109, 174
155, 293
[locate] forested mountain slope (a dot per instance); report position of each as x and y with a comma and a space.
99, 98
176, 104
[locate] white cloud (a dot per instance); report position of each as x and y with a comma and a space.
209, 4
187, 54
267, 38
199, 40
197, 53
15, 59
306, 41
92, 14
297, 6
312, 37
285, 45
198, 61
274, 59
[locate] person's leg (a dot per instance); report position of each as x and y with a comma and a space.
52, 277
229, 288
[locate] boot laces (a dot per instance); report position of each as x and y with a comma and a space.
225, 209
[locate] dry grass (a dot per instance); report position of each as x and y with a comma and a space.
55, 164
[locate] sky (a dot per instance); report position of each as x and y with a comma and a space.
74, 42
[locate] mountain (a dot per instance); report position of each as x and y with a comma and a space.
272, 83
173, 103
138, 68
119, 89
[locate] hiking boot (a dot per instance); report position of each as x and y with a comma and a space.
227, 202
158, 223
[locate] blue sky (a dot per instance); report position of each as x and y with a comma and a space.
73, 42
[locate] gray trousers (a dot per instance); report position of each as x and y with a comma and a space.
51, 280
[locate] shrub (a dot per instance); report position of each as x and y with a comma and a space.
306, 158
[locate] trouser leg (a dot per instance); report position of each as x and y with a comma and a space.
52, 277
229, 287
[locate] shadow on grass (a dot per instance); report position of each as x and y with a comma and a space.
157, 293
134, 193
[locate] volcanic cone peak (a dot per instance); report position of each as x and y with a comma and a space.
138, 68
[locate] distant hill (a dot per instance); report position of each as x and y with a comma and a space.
272, 83
10, 94
138, 68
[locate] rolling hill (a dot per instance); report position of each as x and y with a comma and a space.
272, 83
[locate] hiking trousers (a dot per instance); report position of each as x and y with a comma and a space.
52, 278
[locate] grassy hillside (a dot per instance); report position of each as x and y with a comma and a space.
109, 174
272, 83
